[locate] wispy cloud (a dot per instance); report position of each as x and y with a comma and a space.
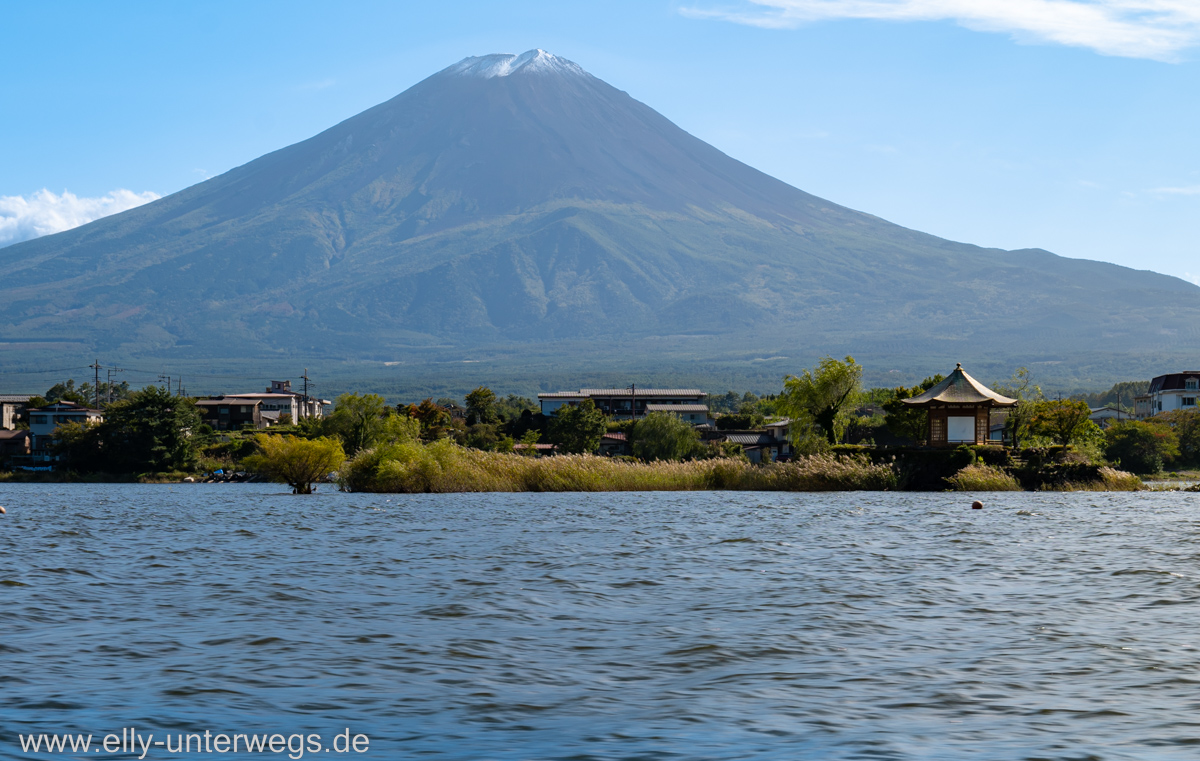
1191, 278
1186, 190
44, 212
1156, 29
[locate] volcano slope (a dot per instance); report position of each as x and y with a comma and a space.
512, 205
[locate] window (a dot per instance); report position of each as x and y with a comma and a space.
937, 429
38, 419
243, 408
1191, 384
1189, 401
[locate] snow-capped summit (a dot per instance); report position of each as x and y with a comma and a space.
535, 61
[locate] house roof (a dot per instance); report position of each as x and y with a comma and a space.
226, 401
6, 434
677, 408
615, 436
15, 398
746, 439
641, 393
1173, 381
264, 395
961, 388
67, 407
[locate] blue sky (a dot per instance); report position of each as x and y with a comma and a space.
1068, 125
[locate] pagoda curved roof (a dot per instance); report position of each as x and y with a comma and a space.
961, 388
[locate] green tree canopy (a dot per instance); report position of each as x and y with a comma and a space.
1186, 426
740, 421
481, 406
822, 394
1064, 421
151, 431
295, 461
1138, 446
359, 420
904, 420
664, 436
577, 428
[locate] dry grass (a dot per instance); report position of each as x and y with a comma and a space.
983, 478
1111, 480
446, 467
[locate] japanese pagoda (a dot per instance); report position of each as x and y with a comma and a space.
960, 410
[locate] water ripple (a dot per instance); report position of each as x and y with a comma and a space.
608, 626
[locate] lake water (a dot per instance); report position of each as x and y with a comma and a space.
606, 626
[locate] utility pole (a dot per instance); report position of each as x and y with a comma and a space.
167, 378
96, 367
304, 411
179, 386
633, 401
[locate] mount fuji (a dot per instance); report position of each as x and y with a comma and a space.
512, 206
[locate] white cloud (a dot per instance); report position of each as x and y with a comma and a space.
1157, 29
1191, 278
1187, 190
44, 212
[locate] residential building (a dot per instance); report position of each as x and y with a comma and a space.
696, 414
11, 407
279, 400
44, 421
1107, 415
231, 415
15, 446
622, 402
768, 444
1168, 393
614, 443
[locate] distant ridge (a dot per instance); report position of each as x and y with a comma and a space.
516, 205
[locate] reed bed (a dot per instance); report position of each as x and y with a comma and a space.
983, 478
442, 467
1111, 479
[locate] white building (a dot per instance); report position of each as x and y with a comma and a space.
11, 406
279, 399
1168, 393
44, 421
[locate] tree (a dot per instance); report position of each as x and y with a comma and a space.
820, 396
904, 420
1186, 426
1028, 394
481, 406
528, 445
577, 428
68, 392
1138, 446
664, 436
152, 430
741, 421
433, 418
295, 461
1064, 421
512, 407
358, 419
